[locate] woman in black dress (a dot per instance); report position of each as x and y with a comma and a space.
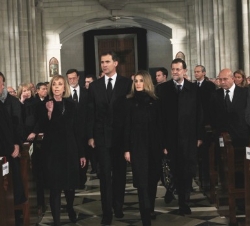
61, 146
143, 146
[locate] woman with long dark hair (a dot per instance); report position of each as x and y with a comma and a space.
143, 146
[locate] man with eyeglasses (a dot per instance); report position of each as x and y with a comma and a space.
182, 129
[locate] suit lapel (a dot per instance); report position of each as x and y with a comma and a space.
221, 98
203, 85
221, 95
102, 88
116, 88
236, 95
186, 85
81, 94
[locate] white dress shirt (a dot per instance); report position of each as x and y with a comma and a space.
112, 81
182, 83
77, 91
231, 93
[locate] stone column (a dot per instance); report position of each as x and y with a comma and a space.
19, 48
205, 35
225, 34
10, 46
40, 40
246, 27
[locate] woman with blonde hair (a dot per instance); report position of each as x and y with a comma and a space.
27, 100
62, 147
240, 78
143, 146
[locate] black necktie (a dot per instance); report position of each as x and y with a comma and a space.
227, 99
109, 89
198, 84
75, 97
179, 88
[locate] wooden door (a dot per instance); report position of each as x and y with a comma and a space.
125, 49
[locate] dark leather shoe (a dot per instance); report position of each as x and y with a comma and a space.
153, 215
93, 172
169, 197
185, 210
119, 214
72, 215
106, 220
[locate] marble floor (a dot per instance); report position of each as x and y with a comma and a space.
88, 208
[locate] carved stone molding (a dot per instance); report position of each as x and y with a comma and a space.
113, 4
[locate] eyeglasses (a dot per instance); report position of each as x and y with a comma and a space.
176, 69
72, 79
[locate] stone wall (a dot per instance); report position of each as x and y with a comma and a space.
34, 31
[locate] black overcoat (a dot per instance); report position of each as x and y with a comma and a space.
6, 132
82, 107
13, 107
61, 146
206, 91
182, 123
143, 138
29, 116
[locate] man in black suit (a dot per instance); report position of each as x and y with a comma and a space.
107, 97
41, 98
80, 97
41, 92
93, 158
182, 125
205, 90
228, 107
11, 131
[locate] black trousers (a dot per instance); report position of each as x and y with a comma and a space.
55, 203
112, 179
37, 169
144, 205
183, 176
18, 188
147, 193
203, 162
91, 156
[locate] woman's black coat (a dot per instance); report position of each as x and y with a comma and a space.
28, 115
143, 138
6, 132
61, 146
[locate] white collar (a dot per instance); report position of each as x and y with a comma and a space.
231, 89
176, 83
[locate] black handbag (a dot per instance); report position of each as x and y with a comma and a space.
167, 176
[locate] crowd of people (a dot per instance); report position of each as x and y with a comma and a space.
113, 121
